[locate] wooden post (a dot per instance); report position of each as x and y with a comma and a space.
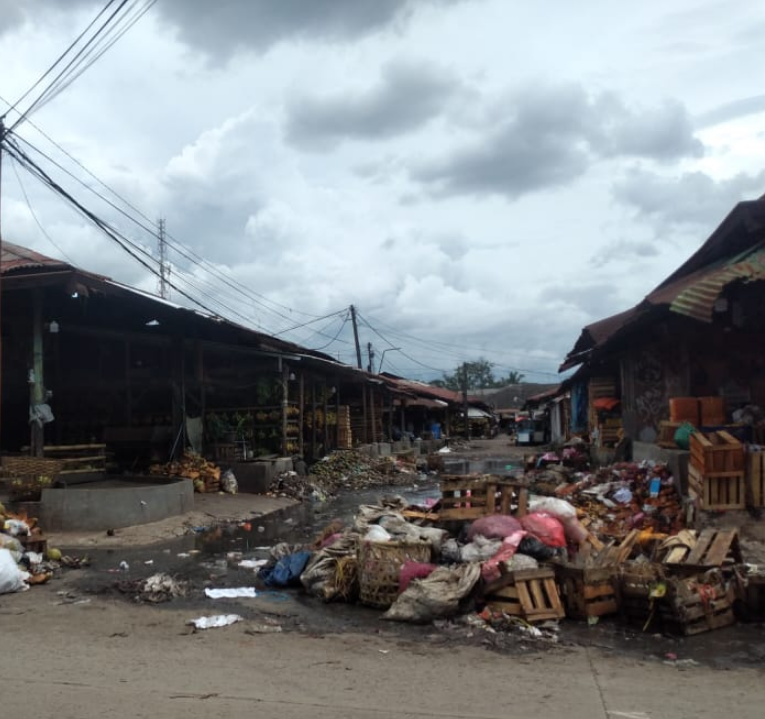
337, 413
326, 424
313, 420
365, 421
301, 401
37, 386
372, 420
285, 404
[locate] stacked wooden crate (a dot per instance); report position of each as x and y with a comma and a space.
716, 471
465, 497
344, 433
530, 594
755, 467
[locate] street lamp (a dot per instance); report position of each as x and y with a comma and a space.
382, 356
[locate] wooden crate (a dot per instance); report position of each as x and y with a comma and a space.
717, 453
530, 594
467, 497
712, 411
588, 591
717, 490
695, 605
637, 582
755, 478
715, 548
666, 437
34, 543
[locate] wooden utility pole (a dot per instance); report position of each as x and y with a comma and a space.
356, 336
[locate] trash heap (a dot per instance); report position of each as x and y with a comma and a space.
614, 546
344, 471
25, 558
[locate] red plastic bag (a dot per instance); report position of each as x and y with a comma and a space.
495, 526
546, 528
490, 568
413, 570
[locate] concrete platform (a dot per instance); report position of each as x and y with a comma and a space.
112, 503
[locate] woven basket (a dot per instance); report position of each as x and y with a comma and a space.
23, 476
379, 566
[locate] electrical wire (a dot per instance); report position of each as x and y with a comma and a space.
61, 56
174, 244
34, 214
55, 85
345, 322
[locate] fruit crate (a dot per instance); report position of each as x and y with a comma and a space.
531, 594
588, 591
466, 497
718, 453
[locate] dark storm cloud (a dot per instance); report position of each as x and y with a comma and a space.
406, 96
691, 199
222, 27
546, 137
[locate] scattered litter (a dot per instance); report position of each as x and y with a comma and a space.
231, 592
124, 566
183, 555
149, 562
252, 563
214, 621
263, 629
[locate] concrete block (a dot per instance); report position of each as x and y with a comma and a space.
282, 464
253, 477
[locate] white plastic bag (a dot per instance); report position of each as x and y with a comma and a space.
11, 577
228, 482
377, 534
559, 508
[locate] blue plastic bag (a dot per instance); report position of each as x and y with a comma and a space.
286, 572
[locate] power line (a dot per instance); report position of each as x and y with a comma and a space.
34, 214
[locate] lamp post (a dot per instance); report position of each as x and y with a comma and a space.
382, 356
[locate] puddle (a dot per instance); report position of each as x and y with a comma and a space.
502, 466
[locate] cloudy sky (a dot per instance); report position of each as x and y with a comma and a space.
477, 177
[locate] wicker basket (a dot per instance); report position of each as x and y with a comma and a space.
379, 566
26, 476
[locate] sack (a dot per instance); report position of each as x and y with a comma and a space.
490, 569
12, 579
228, 482
332, 572
546, 528
438, 595
495, 526
480, 549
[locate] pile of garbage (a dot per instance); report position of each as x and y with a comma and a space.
25, 559
344, 471
205, 475
613, 544
618, 498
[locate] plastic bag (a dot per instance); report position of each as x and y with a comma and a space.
286, 572
480, 549
13, 545
532, 547
495, 526
228, 482
574, 531
413, 570
377, 533
490, 568
683, 435
12, 579
559, 508
546, 528
520, 561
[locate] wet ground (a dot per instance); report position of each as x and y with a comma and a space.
209, 558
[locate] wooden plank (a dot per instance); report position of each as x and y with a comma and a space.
536, 592
720, 546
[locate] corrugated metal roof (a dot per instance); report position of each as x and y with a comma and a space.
15, 257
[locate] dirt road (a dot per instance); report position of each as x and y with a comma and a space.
109, 658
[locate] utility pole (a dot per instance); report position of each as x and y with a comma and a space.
356, 335
371, 353
163, 283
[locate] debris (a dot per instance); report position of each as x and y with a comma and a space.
214, 621
263, 629
231, 593
252, 563
205, 475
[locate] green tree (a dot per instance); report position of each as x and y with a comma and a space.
480, 375
513, 377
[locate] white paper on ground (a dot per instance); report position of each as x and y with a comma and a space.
217, 620
253, 563
231, 592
